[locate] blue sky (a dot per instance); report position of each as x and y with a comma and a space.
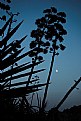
68, 62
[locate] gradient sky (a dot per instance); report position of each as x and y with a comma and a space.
68, 62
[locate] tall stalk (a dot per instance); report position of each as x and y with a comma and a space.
48, 79
32, 69
38, 35
54, 33
50, 30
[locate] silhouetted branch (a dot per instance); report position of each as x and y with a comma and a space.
67, 94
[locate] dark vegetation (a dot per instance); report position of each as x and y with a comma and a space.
48, 37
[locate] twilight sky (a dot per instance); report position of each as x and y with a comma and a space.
68, 62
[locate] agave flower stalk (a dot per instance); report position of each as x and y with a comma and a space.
54, 32
38, 35
50, 29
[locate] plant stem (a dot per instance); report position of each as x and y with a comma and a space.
48, 79
31, 71
67, 94
33, 66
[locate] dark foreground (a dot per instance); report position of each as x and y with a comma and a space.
24, 112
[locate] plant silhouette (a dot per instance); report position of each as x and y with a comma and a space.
49, 31
48, 37
10, 70
9, 57
6, 8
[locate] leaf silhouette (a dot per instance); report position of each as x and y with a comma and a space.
62, 20
33, 44
18, 69
62, 47
8, 36
9, 1
21, 83
62, 14
54, 10
47, 11
5, 26
21, 75
8, 61
4, 18
4, 7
